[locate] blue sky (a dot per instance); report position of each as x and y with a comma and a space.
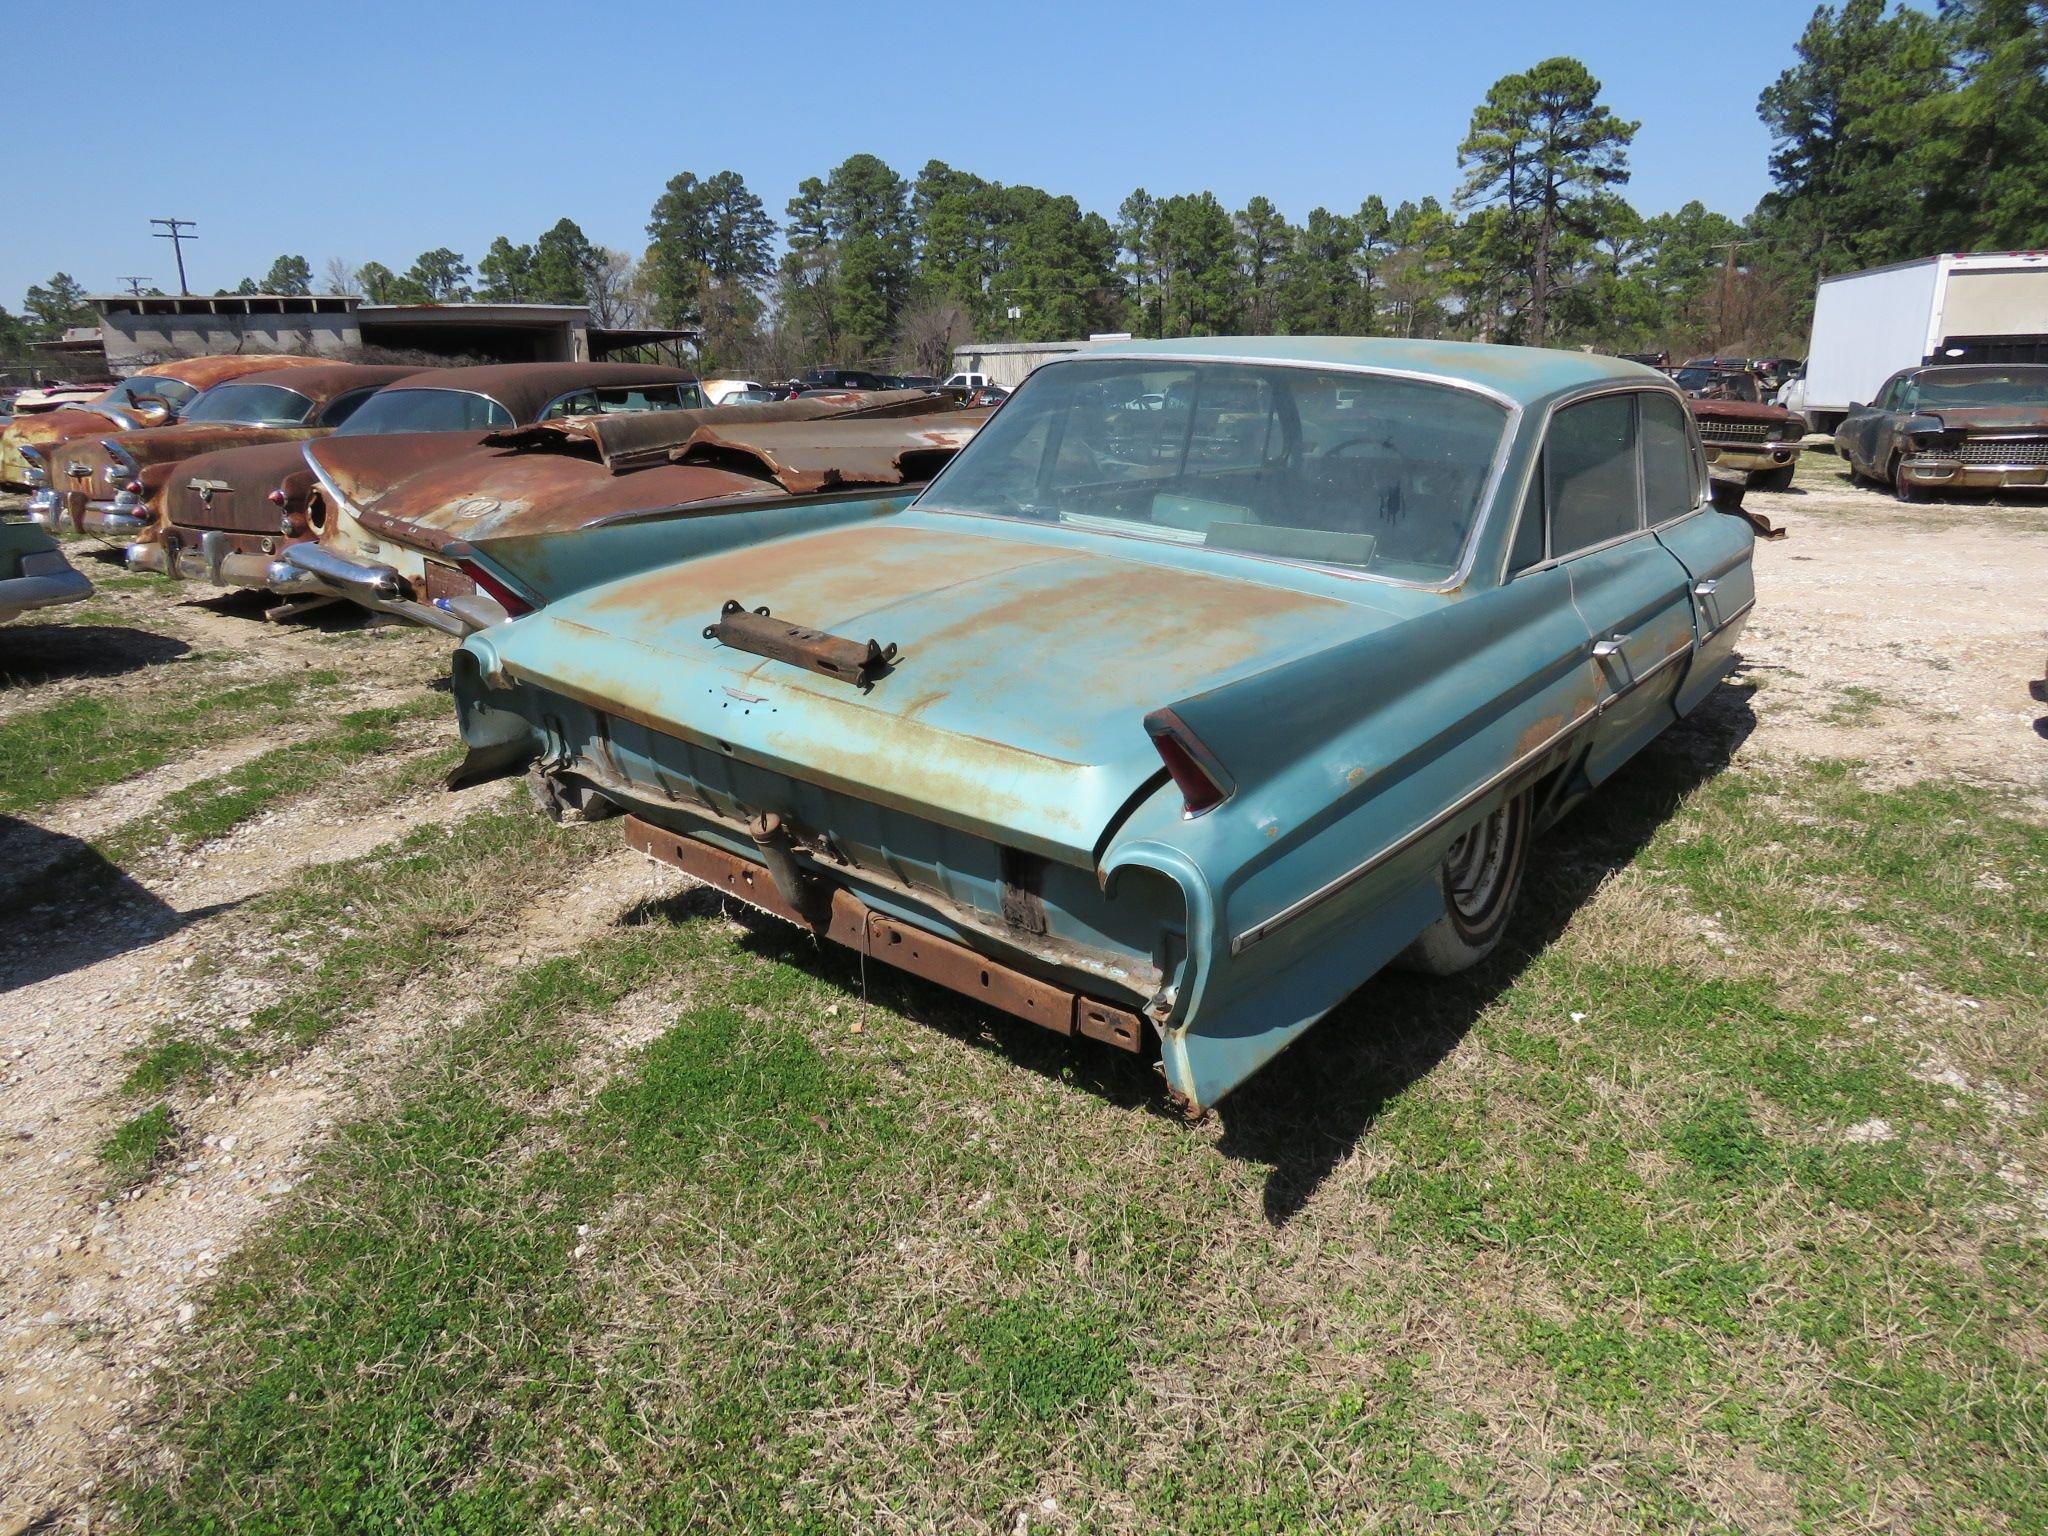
378, 130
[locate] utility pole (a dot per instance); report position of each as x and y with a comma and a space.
134, 284
172, 231
1728, 248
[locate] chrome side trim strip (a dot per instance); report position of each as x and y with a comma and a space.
1252, 935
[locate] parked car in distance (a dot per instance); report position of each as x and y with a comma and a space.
564, 476
109, 486
1661, 361
1172, 724
759, 394
968, 381
729, 391
1741, 434
1952, 426
840, 378
987, 394
229, 516
33, 571
148, 398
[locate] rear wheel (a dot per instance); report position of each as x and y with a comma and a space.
1480, 877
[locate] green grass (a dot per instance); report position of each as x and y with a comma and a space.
85, 743
216, 806
1854, 705
1581, 1233
139, 1143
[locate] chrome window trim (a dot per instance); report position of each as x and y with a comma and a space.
1468, 556
1563, 402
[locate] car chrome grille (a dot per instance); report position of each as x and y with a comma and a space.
1991, 450
1737, 431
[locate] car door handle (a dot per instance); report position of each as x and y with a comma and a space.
1706, 589
1611, 646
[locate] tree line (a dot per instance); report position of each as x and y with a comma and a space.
1895, 133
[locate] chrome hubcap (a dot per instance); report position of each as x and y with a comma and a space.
1474, 866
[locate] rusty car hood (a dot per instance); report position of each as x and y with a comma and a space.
1990, 418
1024, 669
1735, 410
428, 490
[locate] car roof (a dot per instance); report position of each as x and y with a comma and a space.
1524, 375
525, 389
323, 381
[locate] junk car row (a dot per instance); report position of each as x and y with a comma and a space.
1163, 705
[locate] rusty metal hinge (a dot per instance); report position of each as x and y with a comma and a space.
762, 634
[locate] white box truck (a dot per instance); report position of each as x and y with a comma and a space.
1985, 307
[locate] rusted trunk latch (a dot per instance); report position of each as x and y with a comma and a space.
851, 661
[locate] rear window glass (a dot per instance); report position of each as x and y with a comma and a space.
425, 410
1590, 465
1329, 467
256, 405
1668, 485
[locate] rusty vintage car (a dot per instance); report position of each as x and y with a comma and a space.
1209, 678
1741, 432
1954, 426
403, 512
150, 397
228, 515
110, 486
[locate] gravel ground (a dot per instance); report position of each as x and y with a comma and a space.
1906, 638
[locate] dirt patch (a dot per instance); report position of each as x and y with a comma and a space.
1905, 637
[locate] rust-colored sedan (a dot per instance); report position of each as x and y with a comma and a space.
228, 514
148, 398
108, 485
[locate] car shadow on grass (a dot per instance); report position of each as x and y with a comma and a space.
32, 654
72, 907
1303, 1114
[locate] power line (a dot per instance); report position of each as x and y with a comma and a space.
172, 232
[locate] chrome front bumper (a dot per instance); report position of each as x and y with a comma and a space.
1750, 456
1977, 477
123, 517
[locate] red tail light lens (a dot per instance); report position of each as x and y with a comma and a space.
275, 498
1201, 780
513, 604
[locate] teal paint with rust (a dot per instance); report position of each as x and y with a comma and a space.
1350, 712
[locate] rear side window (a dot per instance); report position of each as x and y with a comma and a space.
1669, 487
341, 407
1590, 473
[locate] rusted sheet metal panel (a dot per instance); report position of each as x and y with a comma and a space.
415, 489
205, 372
807, 458
629, 441
228, 488
848, 921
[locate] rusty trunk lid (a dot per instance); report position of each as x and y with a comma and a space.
1023, 669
